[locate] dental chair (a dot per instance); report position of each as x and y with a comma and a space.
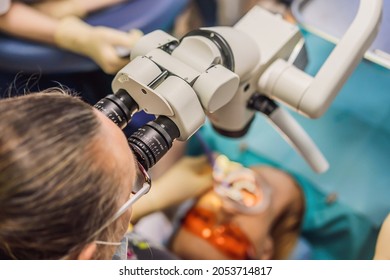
38, 66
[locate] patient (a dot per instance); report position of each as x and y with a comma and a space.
59, 23
326, 226
268, 229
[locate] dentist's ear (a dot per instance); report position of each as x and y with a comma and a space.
87, 252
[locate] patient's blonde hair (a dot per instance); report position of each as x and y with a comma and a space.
54, 191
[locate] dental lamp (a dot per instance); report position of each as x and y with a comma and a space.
227, 74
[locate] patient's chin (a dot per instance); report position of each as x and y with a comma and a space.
190, 247
267, 250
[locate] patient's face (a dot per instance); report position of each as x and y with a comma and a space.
210, 231
233, 236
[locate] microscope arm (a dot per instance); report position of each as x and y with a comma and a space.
290, 130
299, 139
313, 96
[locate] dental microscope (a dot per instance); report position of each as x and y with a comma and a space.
227, 74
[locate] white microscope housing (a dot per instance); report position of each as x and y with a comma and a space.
214, 72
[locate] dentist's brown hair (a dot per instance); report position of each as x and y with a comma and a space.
54, 190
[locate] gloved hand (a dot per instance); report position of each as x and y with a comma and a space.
61, 8
96, 42
188, 178
382, 250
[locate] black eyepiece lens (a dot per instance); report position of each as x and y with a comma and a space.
152, 141
118, 107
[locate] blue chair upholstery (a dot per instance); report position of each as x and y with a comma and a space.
31, 57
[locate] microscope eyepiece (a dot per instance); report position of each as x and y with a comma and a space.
152, 141
118, 107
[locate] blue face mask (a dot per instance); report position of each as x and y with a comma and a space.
121, 250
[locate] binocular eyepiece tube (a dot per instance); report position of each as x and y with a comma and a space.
118, 107
150, 142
